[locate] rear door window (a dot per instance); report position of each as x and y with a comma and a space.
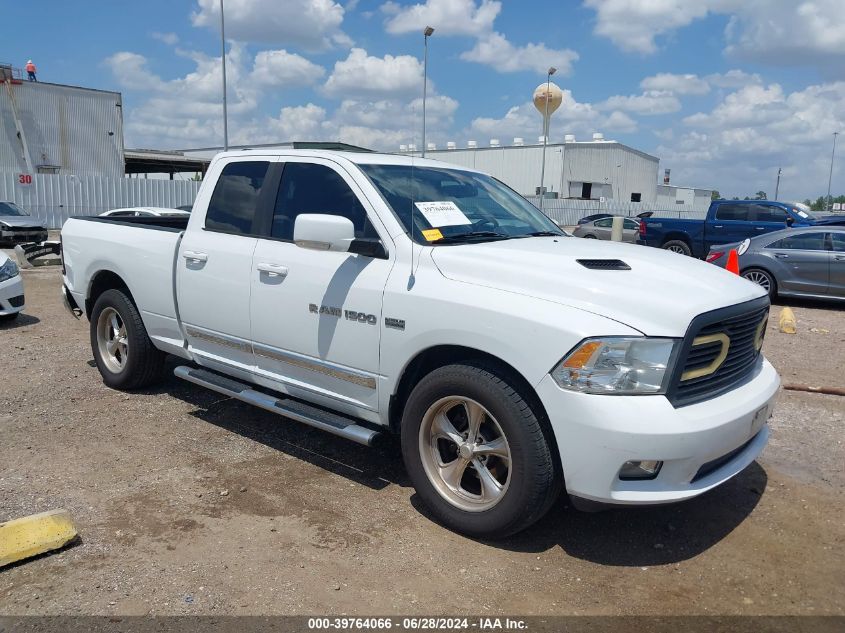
604, 223
838, 240
803, 242
234, 202
728, 211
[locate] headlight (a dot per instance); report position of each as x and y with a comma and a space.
8, 270
617, 365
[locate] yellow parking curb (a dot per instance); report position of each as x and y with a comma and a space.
33, 535
787, 323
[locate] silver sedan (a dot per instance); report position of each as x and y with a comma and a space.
600, 229
805, 262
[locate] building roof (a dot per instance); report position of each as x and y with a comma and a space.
326, 145
141, 161
568, 145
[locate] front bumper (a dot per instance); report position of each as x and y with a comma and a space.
11, 296
23, 236
597, 434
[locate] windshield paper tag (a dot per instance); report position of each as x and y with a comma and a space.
432, 235
442, 213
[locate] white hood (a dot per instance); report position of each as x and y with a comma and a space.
659, 296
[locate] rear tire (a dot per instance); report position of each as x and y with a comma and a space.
123, 351
590, 237
678, 246
494, 486
762, 278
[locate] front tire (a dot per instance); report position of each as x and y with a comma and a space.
678, 246
123, 351
476, 453
8, 318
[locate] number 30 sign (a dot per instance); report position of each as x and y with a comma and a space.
24, 179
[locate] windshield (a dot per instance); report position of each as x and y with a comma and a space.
10, 208
450, 205
802, 210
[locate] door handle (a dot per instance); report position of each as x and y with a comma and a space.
194, 256
272, 269
781, 255
839, 258
760, 228
718, 226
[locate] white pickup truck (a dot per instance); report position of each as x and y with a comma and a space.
366, 293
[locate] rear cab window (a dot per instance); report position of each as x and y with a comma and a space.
234, 202
727, 211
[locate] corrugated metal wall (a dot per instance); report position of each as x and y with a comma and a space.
77, 129
55, 198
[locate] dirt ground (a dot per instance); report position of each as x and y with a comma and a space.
189, 503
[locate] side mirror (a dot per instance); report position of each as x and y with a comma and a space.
322, 232
790, 221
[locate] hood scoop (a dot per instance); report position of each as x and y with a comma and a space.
603, 264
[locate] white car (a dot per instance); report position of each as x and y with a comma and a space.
367, 294
145, 212
11, 289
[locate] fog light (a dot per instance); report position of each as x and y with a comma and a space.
646, 469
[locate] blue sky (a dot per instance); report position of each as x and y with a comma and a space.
722, 91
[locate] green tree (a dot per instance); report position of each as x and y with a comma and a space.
715, 195
760, 195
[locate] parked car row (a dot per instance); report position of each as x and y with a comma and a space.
782, 247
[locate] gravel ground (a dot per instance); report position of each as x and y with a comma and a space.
188, 503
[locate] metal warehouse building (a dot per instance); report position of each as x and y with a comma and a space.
56, 129
589, 170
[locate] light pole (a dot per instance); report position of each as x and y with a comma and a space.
830, 176
223, 57
777, 185
426, 34
551, 72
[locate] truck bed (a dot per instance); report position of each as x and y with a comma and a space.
142, 252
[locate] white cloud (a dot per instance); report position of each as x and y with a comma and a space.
168, 38
650, 102
739, 145
307, 24
448, 17
733, 79
496, 51
573, 117
687, 84
280, 68
132, 72
361, 74
772, 31
633, 24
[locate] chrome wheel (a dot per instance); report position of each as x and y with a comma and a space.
759, 278
112, 340
465, 453
676, 249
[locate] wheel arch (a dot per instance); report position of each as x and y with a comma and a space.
438, 356
676, 235
101, 281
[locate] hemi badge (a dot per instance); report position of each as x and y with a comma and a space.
396, 324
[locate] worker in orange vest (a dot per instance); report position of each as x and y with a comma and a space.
30, 70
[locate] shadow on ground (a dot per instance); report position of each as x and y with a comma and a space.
643, 536
21, 320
